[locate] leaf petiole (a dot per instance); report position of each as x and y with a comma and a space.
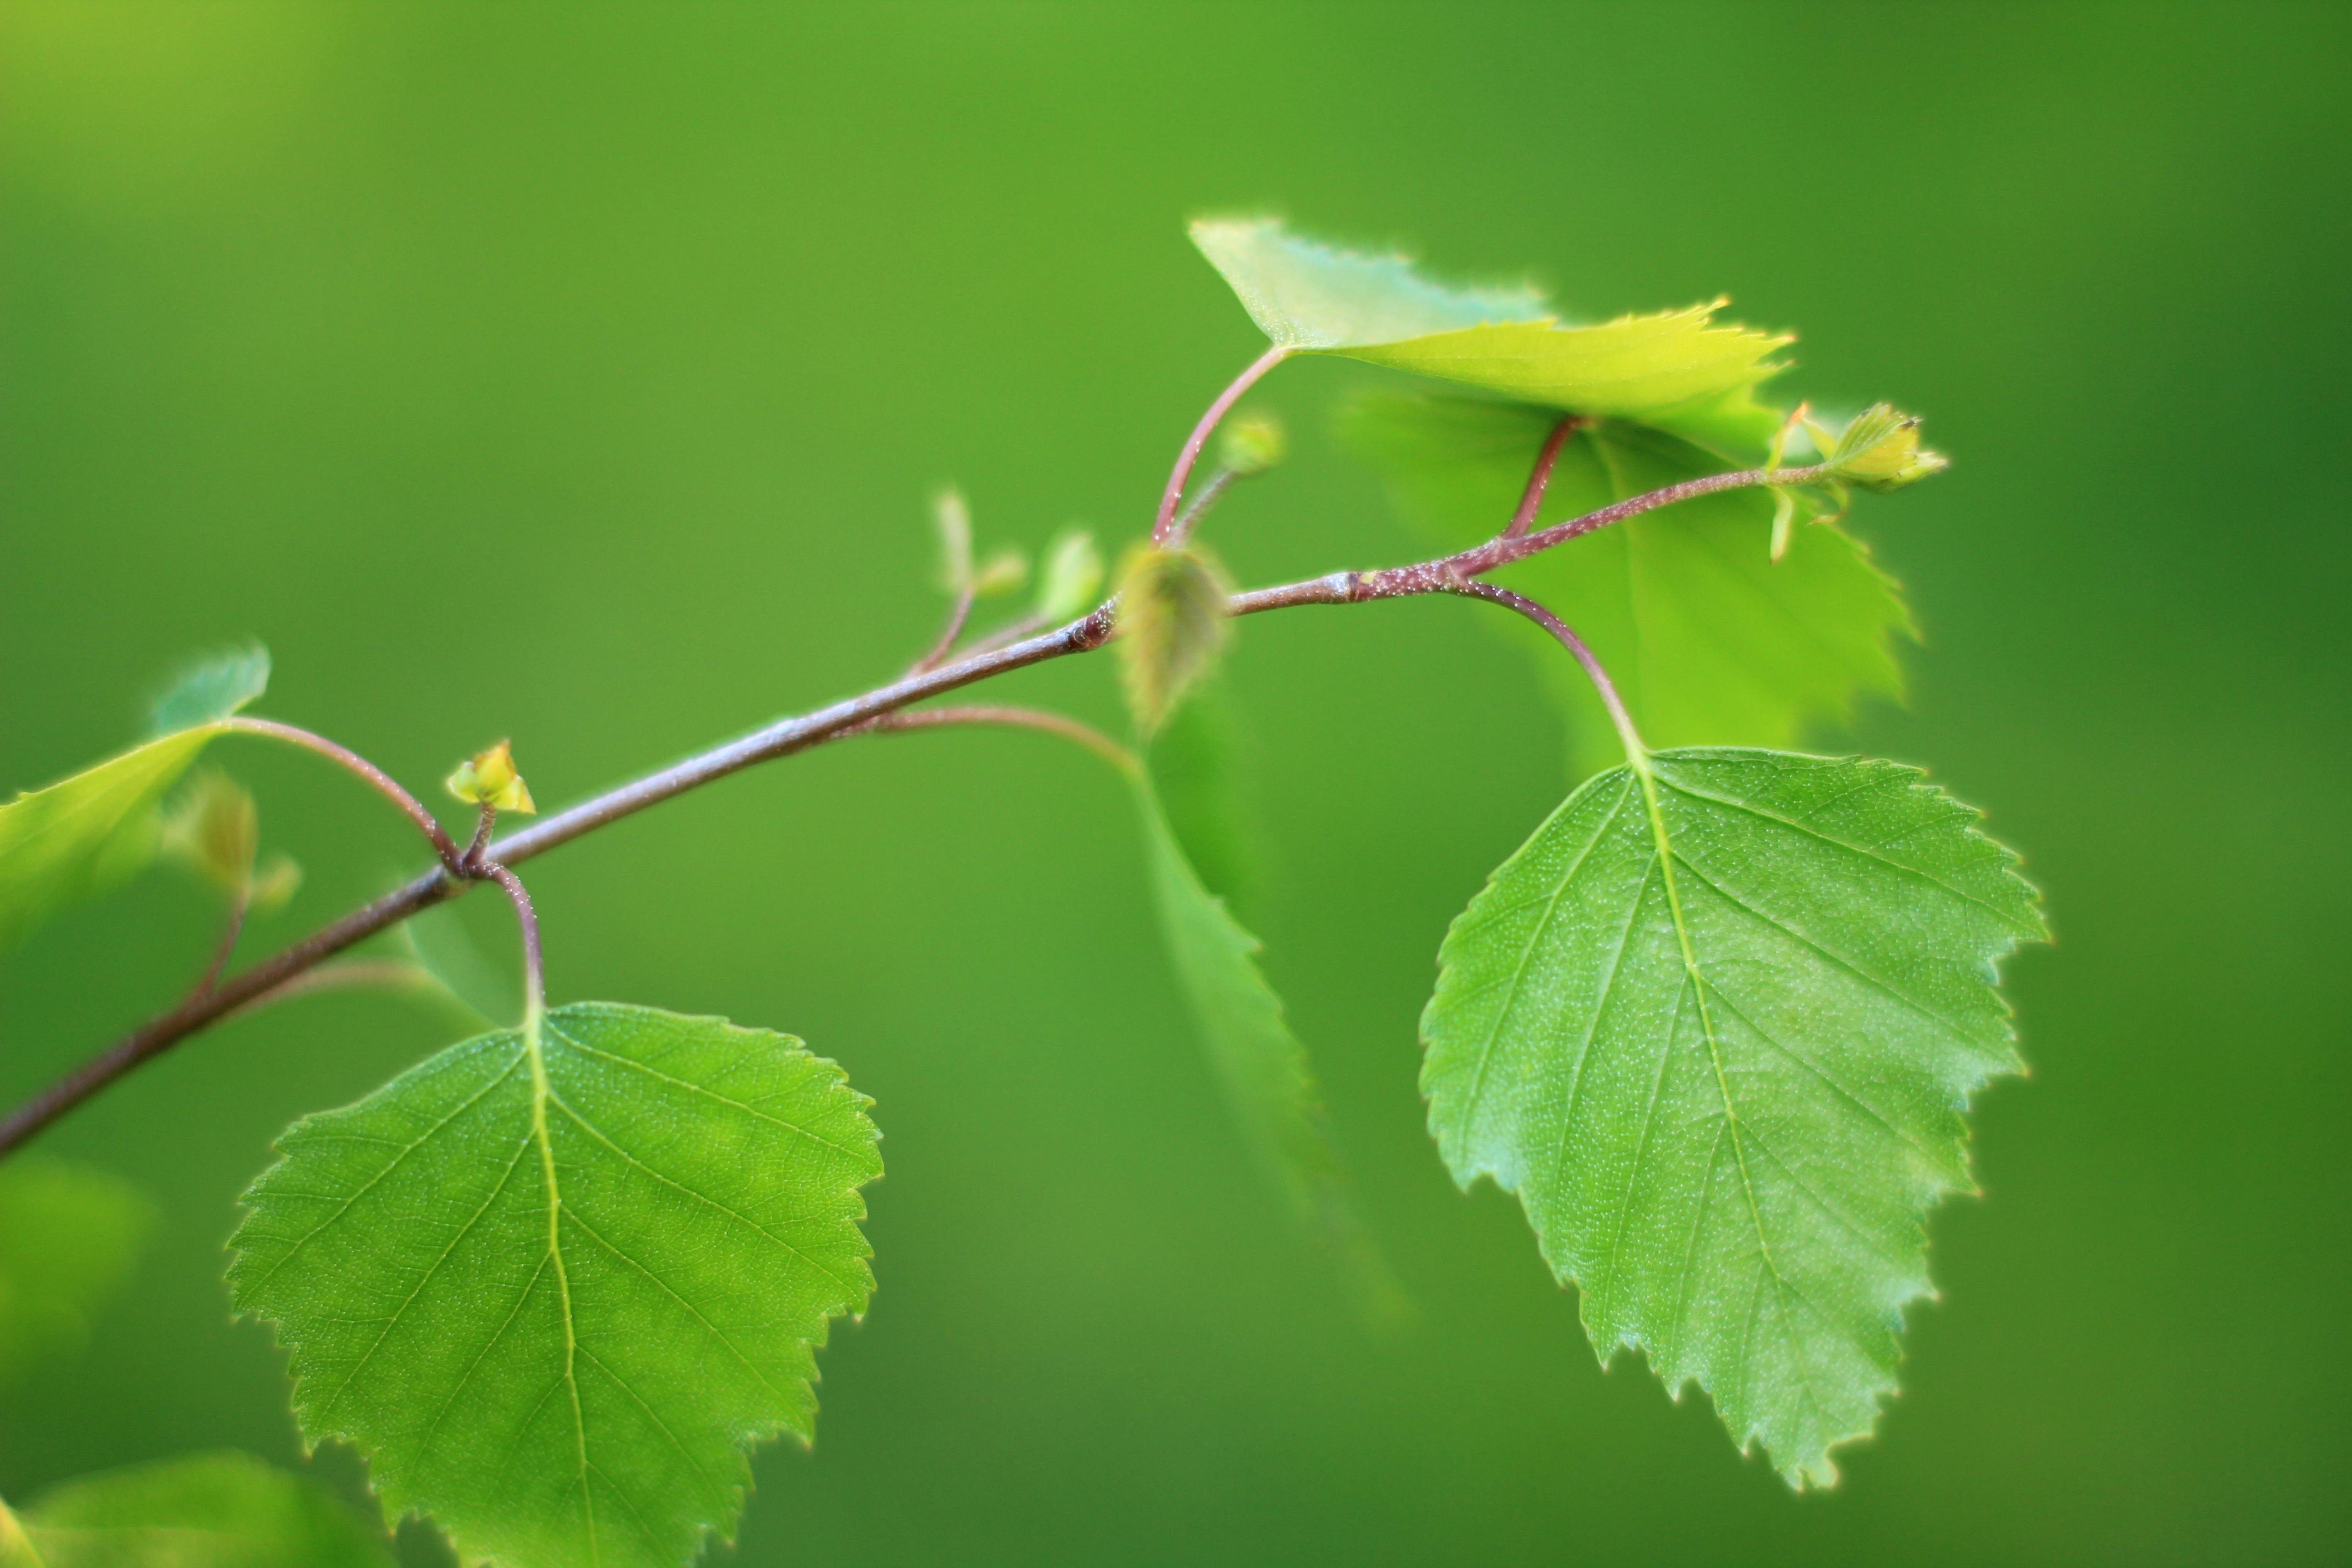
1165, 523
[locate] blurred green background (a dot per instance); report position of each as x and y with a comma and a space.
580, 374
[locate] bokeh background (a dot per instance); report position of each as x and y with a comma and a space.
579, 374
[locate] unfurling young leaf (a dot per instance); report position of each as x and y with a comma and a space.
213, 828
1171, 626
488, 778
951, 517
68, 1237
1716, 1024
1002, 573
1880, 450
554, 1281
211, 689
1709, 640
206, 1511
1259, 1063
1073, 576
85, 834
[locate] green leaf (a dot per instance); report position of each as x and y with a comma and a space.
555, 1282
16, 1547
206, 1511
90, 832
1193, 772
68, 1237
1674, 368
85, 834
211, 689
1306, 294
1260, 1064
1717, 1024
1171, 626
1707, 637
1651, 368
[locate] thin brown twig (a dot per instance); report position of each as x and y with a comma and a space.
1446, 575
958, 614
1060, 724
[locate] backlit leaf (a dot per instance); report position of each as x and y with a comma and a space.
1718, 1027
554, 1283
206, 1511
85, 834
1652, 368
1672, 368
1707, 637
68, 1237
1306, 295
211, 689
1260, 1064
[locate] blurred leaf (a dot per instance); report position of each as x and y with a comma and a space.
1250, 443
1306, 294
1707, 637
1651, 368
206, 1511
88, 833
437, 939
1193, 771
1171, 626
1072, 577
1716, 1024
1260, 1064
68, 1237
1003, 572
15, 1547
211, 690
554, 1282
213, 828
952, 518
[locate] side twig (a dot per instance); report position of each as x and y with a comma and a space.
1448, 574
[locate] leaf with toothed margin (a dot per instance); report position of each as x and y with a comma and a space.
1716, 1024
555, 1282
1268, 1082
1676, 368
1708, 639
85, 834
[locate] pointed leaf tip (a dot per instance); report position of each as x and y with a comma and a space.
211, 689
1306, 295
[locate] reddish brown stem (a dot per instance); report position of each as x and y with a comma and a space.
1540, 477
1166, 520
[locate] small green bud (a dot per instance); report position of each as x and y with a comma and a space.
214, 829
1000, 573
274, 884
488, 778
1880, 450
1171, 626
1073, 576
1251, 444
952, 518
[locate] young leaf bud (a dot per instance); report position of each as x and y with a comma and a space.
1000, 573
1073, 575
1784, 518
1172, 624
1251, 444
1881, 451
952, 518
488, 778
214, 829
274, 884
